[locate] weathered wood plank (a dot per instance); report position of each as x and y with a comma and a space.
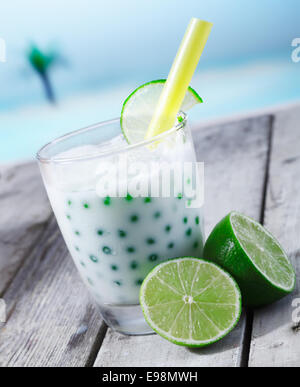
51, 321
24, 209
275, 341
152, 351
235, 157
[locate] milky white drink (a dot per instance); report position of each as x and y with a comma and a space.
116, 241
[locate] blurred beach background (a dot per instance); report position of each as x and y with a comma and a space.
103, 50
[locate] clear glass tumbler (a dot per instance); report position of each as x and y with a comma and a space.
116, 238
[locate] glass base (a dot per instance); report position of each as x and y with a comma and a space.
125, 319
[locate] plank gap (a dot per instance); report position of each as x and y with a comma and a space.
267, 171
96, 346
245, 353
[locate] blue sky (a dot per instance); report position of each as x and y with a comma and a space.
113, 41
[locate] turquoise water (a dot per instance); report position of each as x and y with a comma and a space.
227, 90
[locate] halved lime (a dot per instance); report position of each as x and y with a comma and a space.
139, 107
253, 257
190, 301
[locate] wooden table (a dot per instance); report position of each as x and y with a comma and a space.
251, 165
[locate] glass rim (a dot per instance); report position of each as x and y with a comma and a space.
47, 160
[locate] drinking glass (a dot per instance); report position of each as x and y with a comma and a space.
116, 239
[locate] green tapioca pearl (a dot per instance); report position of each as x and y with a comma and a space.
197, 220
171, 245
185, 219
86, 205
134, 218
196, 245
150, 241
107, 201
189, 202
77, 232
93, 258
68, 217
77, 248
153, 257
139, 281
107, 250
188, 180
119, 283
100, 232
168, 228
130, 249
69, 202
82, 263
90, 281
134, 265
157, 214
114, 267
179, 196
122, 233
188, 232
147, 200
128, 198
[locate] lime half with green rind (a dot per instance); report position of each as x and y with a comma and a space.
253, 256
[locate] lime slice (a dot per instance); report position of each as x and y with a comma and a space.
139, 108
253, 257
190, 302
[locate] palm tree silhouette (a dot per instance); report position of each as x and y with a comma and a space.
42, 63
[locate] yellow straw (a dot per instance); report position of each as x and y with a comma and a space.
180, 76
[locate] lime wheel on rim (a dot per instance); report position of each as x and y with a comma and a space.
139, 108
